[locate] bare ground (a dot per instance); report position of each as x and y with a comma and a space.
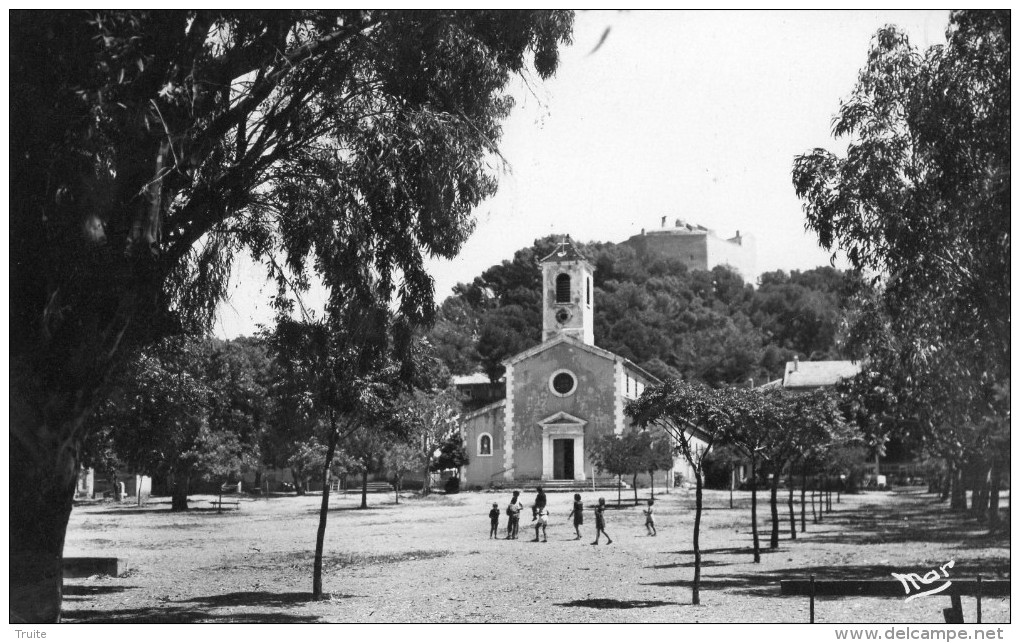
430, 560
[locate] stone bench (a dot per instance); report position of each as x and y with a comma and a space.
226, 504
895, 589
85, 566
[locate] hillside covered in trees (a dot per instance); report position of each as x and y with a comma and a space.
701, 325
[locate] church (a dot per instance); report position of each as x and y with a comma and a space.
560, 395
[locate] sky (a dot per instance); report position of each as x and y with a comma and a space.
695, 115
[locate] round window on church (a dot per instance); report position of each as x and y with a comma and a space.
563, 383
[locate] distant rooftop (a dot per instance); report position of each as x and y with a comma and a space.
680, 227
474, 378
812, 374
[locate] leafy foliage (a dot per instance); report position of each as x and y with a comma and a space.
452, 454
921, 200
429, 418
188, 408
703, 325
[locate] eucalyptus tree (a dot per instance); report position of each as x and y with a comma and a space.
153, 146
921, 200
695, 418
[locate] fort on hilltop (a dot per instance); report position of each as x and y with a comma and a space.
697, 247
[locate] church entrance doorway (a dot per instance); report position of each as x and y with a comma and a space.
563, 459
562, 447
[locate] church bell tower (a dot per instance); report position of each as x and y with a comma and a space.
567, 291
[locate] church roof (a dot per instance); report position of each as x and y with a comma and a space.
565, 251
488, 408
601, 352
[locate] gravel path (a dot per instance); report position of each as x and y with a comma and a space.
430, 560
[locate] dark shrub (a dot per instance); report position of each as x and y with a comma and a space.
452, 485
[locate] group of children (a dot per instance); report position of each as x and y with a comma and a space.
540, 517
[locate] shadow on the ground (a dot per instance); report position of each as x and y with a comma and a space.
366, 510
923, 522
94, 590
767, 583
704, 563
156, 615
166, 511
258, 599
741, 551
614, 604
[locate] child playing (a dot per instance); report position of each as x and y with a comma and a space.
494, 520
650, 519
600, 522
514, 511
540, 523
578, 513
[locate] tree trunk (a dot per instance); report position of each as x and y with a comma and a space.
651, 479
994, 484
774, 508
947, 485
42, 483
979, 502
754, 512
958, 492
733, 483
619, 489
179, 496
364, 489
426, 481
814, 491
635, 490
69, 325
793, 513
696, 585
397, 491
320, 534
299, 481
803, 503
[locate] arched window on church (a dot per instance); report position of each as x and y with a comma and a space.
563, 289
485, 444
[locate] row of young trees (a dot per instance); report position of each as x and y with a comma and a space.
631, 454
774, 432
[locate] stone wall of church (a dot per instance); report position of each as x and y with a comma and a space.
484, 469
593, 400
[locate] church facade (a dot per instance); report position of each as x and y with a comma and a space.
561, 395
